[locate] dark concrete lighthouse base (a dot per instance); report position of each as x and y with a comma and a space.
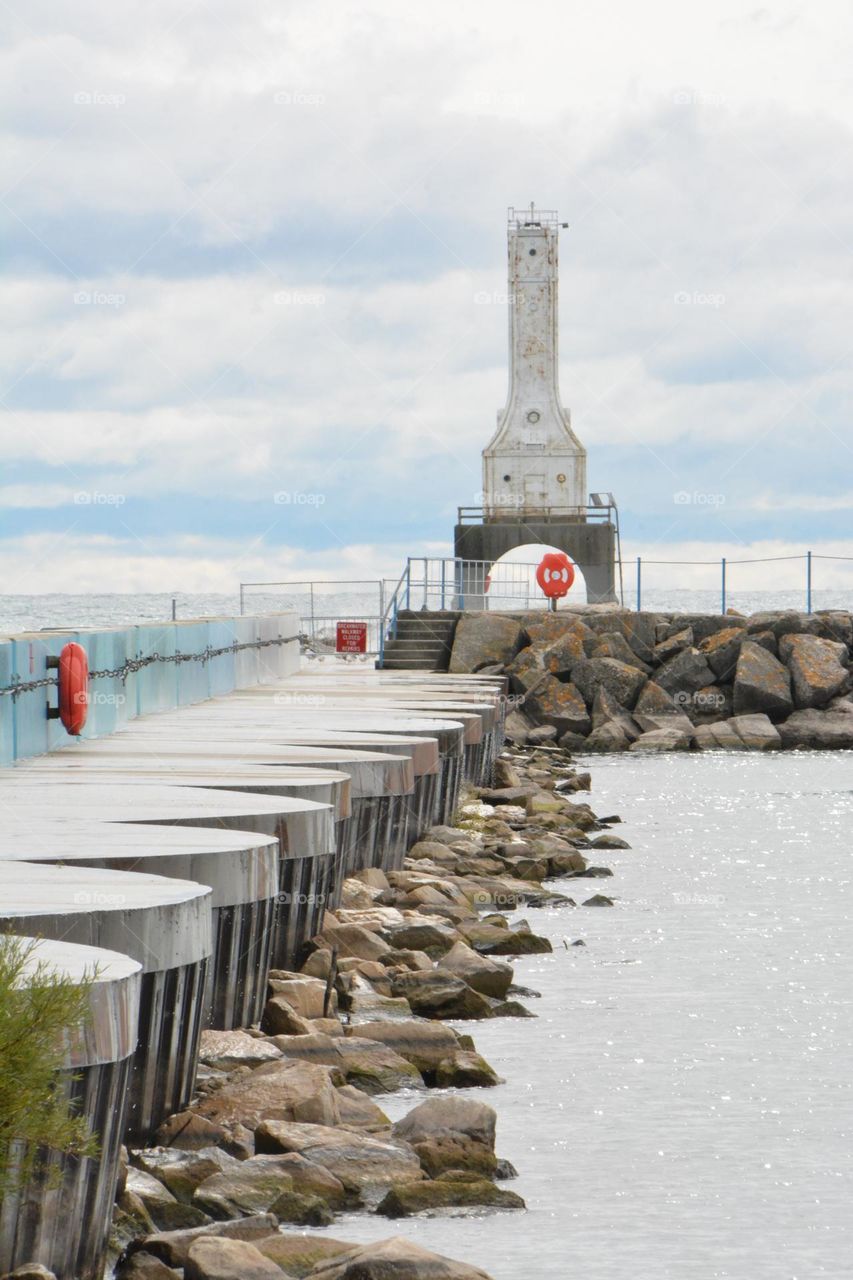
592, 547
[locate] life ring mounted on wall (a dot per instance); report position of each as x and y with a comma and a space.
73, 679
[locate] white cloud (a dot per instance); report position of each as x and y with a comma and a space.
699, 155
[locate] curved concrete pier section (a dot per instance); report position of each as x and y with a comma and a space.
65, 1226
304, 830
376, 790
240, 869
389, 807
346, 724
164, 925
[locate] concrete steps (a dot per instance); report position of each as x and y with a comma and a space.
423, 641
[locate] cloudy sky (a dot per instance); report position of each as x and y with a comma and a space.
254, 276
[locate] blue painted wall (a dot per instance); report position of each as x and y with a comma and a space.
25, 729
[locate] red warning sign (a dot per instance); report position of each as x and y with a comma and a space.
351, 637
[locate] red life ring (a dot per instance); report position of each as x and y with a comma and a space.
73, 688
555, 574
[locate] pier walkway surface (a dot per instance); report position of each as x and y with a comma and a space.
190, 841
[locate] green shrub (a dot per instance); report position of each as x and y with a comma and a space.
38, 1011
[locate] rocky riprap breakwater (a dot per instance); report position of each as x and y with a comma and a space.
287, 1127
602, 678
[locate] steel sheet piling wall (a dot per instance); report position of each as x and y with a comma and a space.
65, 1227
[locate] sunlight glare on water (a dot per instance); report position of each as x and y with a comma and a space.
681, 1107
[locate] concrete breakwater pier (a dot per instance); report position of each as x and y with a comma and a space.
206, 844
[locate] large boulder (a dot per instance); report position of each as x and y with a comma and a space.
762, 683
182, 1171
258, 1183
639, 629
817, 668
756, 732
614, 645
450, 1115
718, 737
721, 650
284, 1090
824, 730
419, 935
173, 1247
606, 710
359, 1162
621, 681
666, 739
673, 721
355, 941
685, 672
703, 625
609, 737
227, 1050
298, 1253
492, 940
560, 705
438, 994
562, 654
448, 1191
489, 977
369, 1065
653, 700
304, 995
526, 670
673, 644
779, 622
424, 1044
482, 639
218, 1259
395, 1259
465, 1069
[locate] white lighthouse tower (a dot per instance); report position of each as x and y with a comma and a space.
534, 465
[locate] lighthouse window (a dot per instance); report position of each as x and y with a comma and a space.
532, 252
507, 479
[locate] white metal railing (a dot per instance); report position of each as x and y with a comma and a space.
321, 604
436, 583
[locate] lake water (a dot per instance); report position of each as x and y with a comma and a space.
32, 612
681, 1107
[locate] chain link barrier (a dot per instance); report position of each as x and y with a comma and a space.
131, 665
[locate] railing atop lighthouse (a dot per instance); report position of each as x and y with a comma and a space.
533, 217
